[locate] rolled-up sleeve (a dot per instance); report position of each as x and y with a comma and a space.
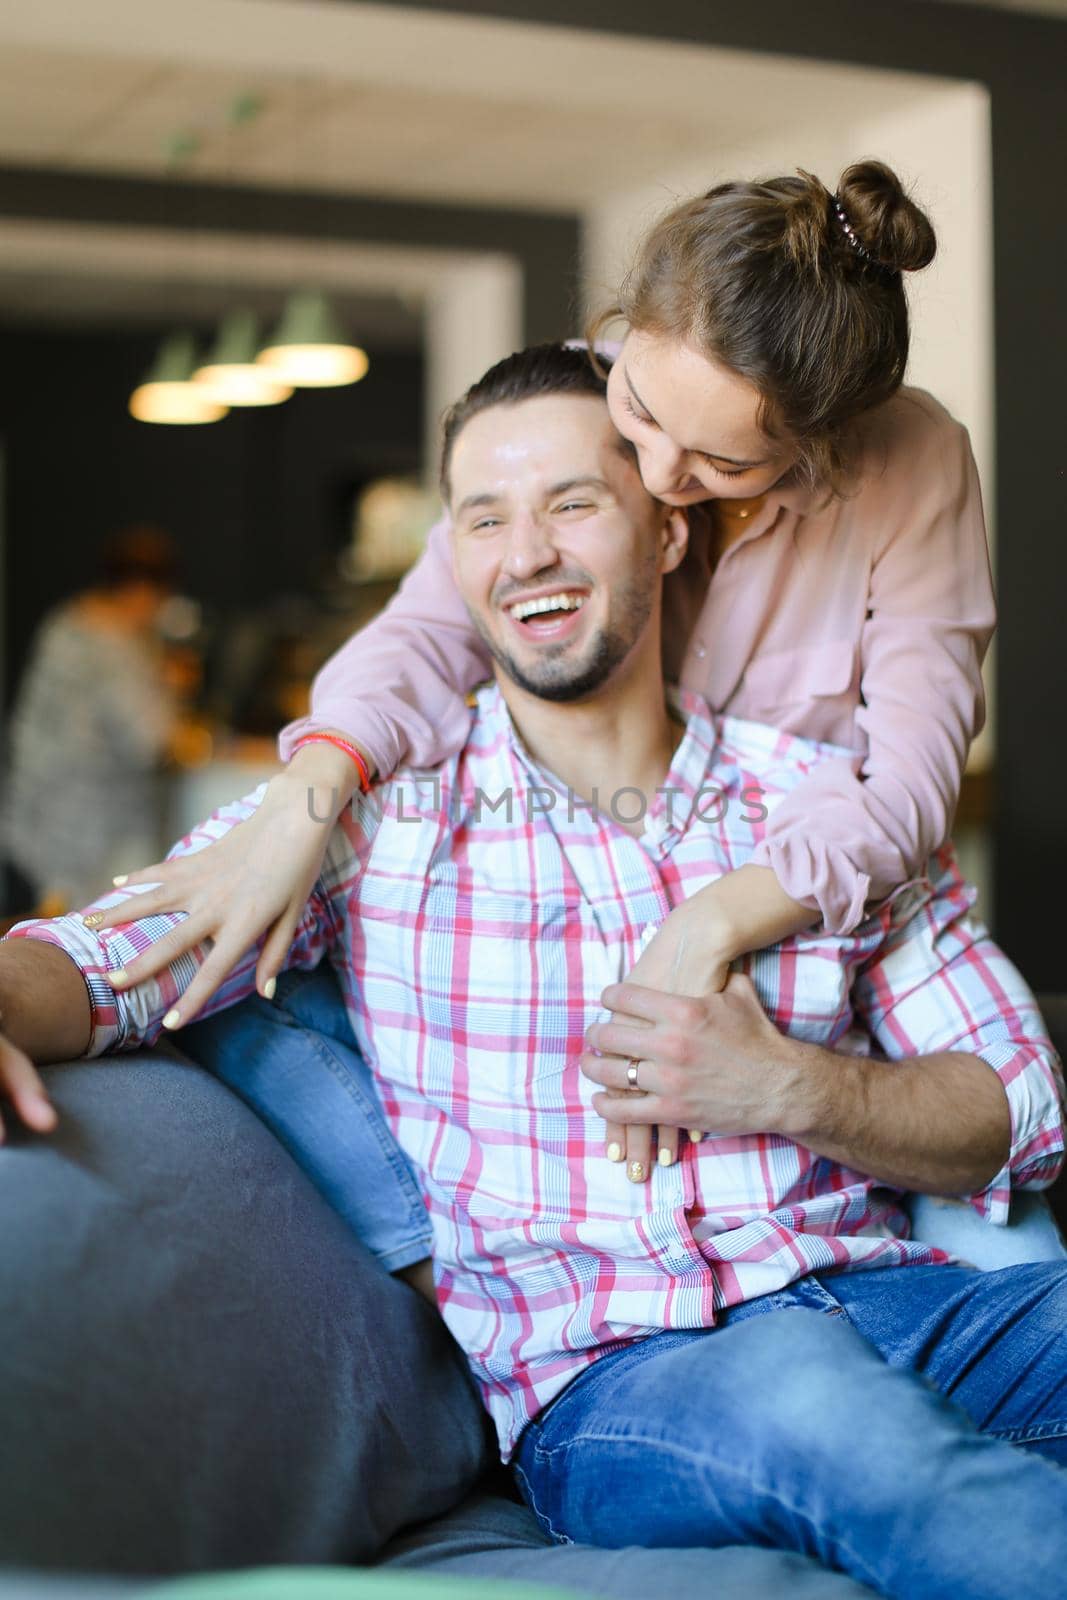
856, 831
126, 1019
941, 984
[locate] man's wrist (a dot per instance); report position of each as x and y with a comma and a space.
44, 1000
811, 1082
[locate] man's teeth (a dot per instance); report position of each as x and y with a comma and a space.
549, 602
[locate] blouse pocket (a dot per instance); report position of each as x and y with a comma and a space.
808, 690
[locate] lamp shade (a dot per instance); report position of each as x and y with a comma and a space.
231, 375
309, 349
168, 394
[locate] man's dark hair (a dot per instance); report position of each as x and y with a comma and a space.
541, 369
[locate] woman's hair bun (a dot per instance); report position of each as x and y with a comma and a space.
890, 226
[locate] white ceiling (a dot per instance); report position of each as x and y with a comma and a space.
369, 99
366, 99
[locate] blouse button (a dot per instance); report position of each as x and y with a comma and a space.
700, 651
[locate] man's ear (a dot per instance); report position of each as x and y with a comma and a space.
674, 537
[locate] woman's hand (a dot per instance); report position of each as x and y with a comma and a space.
255, 880
691, 955
715, 1063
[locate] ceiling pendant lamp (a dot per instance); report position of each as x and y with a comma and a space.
309, 349
168, 393
231, 375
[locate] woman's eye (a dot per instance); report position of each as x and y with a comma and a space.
648, 422
638, 416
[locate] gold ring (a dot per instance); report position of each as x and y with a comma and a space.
631, 1075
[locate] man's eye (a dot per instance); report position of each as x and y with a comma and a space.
485, 523
574, 505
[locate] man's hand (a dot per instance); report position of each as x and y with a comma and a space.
44, 1016
934, 1124
744, 910
715, 1063
21, 1086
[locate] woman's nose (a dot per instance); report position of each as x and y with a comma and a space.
662, 466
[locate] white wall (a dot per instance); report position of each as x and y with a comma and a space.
474, 317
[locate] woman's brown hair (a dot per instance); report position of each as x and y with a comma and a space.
795, 289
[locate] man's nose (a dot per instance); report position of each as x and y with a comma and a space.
531, 547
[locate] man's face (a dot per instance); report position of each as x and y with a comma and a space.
558, 548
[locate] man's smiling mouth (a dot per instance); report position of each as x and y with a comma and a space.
521, 610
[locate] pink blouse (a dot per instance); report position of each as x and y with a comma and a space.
861, 621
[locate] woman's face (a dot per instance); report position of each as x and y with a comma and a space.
692, 422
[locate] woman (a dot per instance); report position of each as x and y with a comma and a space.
842, 591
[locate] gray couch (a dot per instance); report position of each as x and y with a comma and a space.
203, 1368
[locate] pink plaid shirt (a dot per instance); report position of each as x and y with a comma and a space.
473, 949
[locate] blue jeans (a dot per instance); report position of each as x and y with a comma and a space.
865, 1418
295, 1062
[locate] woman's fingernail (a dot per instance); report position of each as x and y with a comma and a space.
93, 920
614, 1151
666, 1156
172, 1018
696, 1135
636, 1172
119, 977
122, 879
269, 988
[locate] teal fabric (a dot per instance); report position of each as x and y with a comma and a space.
335, 1583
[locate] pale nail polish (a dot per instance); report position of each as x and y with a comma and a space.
172, 1018
614, 1151
119, 976
269, 988
121, 881
696, 1135
666, 1156
636, 1172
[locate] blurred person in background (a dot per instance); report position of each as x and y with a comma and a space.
94, 719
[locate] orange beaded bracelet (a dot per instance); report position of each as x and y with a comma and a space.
340, 744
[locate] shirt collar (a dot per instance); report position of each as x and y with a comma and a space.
689, 768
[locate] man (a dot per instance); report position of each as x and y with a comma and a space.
671, 1361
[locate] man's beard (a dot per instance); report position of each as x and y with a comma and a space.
555, 678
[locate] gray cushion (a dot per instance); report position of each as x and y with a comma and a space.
202, 1367
489, 1537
